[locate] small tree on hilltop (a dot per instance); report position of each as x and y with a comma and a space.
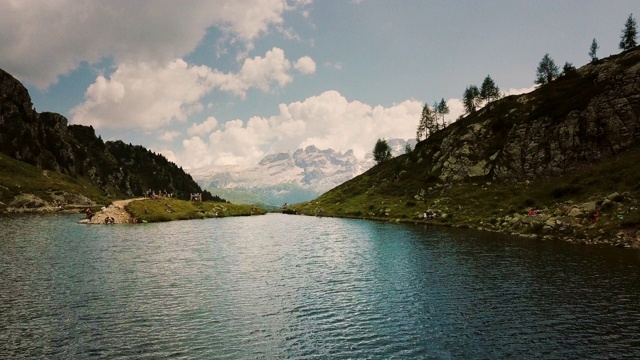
426, 122
382, 151
568, 69
470, 99
436, 112
594, 50
443, 109
629, 33
489, 91
547, 70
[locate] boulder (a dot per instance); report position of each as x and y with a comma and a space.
589, 206
575, 212
27, 201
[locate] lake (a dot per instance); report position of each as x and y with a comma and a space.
279, 286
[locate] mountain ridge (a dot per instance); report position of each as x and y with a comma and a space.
47, 142
289, 177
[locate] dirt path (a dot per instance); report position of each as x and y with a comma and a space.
115, 210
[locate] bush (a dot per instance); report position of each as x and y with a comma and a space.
410, 204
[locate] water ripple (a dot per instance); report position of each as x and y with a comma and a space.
307, 288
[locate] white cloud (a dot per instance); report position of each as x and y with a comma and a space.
168, 135
204, 127
456, 109
144, 96
327, 120
128, 31
170, 155
305, 65
519, 91
259, 72
151, 95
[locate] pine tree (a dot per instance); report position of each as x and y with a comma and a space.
568, 69
426, 126
594, 50
443, 109
470, 99
436, 113
488, 90
629, 33
547, 70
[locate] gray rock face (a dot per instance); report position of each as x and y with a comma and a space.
590, 116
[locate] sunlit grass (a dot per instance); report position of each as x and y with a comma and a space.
17, 177
172, 209
381, 194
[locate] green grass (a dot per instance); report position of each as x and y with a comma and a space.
379, 194
173, 209
17, 178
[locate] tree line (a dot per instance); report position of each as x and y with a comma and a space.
474, 98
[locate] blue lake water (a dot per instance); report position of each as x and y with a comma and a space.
280, 286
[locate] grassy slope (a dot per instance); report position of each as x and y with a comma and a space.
17, 177
173, 209
379, 192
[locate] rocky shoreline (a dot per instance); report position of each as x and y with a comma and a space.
593, 222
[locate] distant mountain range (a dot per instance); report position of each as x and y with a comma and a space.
288, 177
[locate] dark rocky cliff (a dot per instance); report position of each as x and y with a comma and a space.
47, 141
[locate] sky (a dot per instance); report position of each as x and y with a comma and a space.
226, 82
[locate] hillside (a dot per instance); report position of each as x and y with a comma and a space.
567, 149
54, 157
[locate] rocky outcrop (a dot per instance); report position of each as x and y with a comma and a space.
566, 152
47, 141
577, 223
578, 119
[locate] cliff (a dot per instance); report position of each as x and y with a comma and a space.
567, 150
48, 142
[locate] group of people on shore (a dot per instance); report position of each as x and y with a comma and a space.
151, 194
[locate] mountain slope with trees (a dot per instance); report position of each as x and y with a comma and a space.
45, 141
567, 152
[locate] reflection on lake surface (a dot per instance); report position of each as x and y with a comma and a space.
279, 286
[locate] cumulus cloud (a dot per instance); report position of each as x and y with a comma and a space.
259, 72
327, 120
146, 96
168, 135
151, 95
126, 31
204, 127
305, 65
